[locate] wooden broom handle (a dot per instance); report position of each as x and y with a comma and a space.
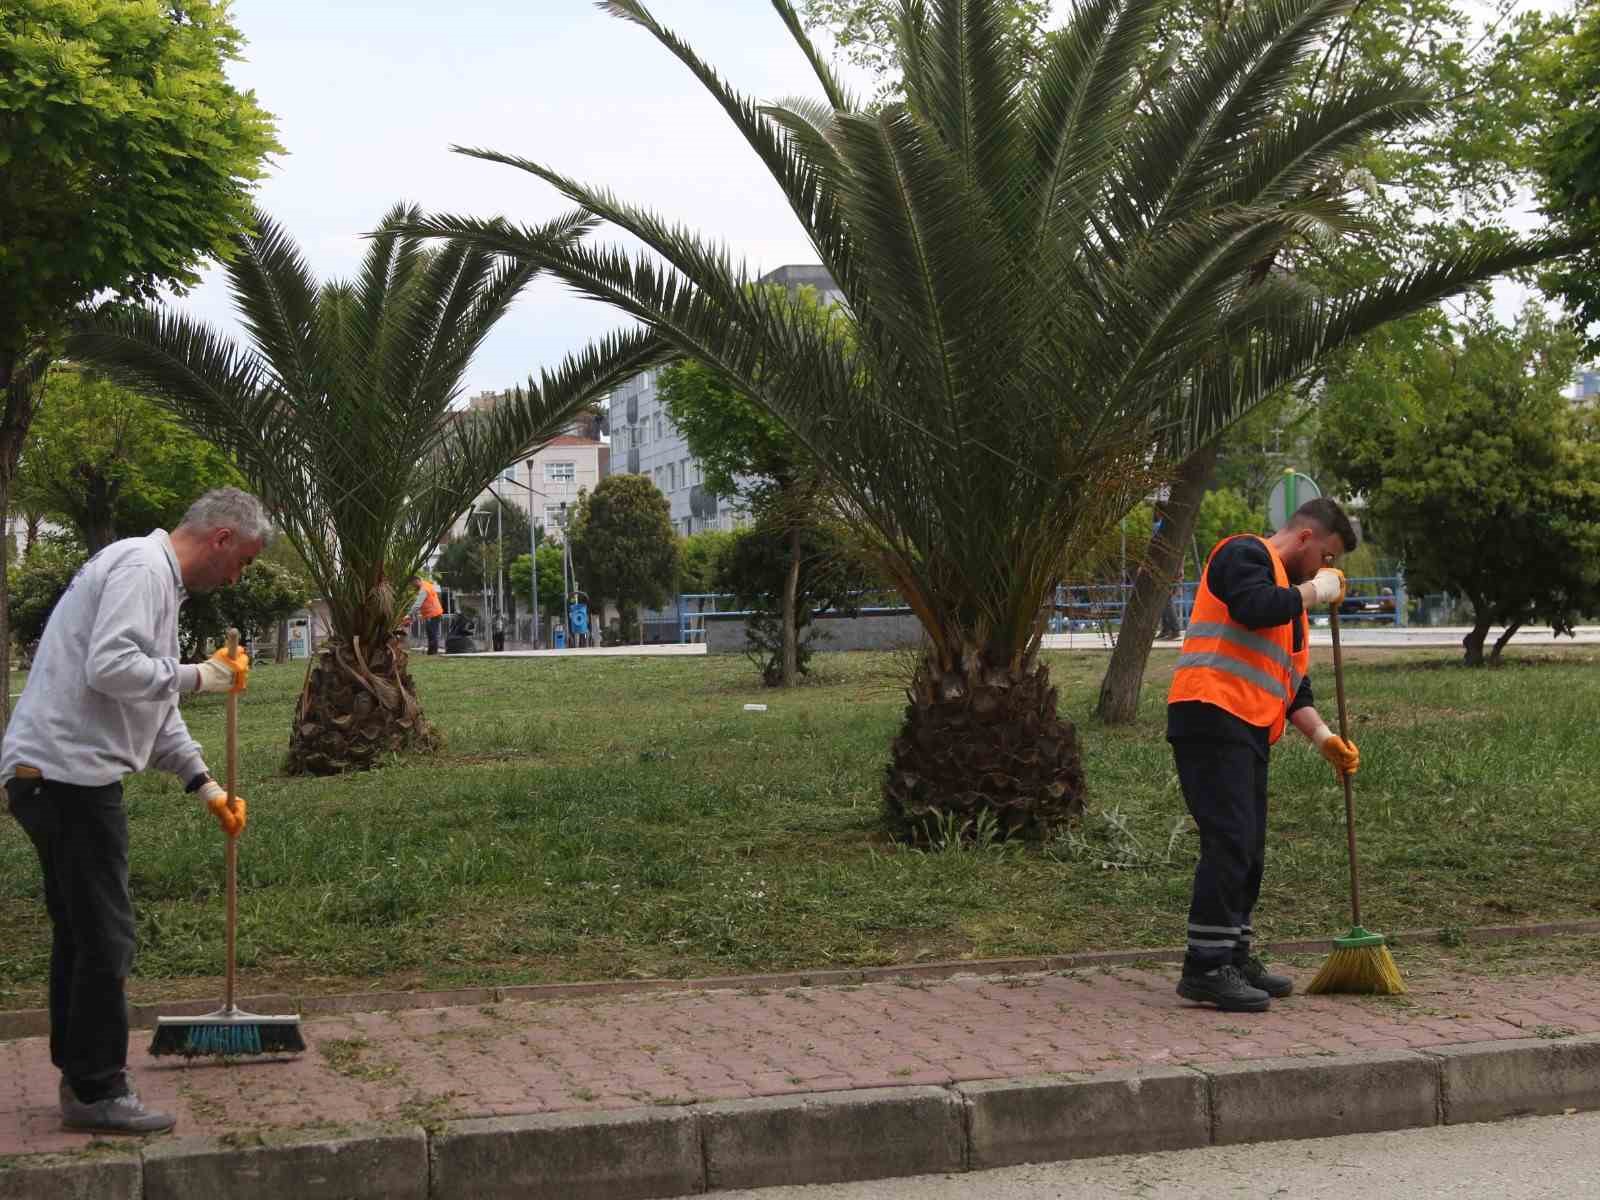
1349, 794
232, 783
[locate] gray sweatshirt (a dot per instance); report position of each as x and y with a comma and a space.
102, 697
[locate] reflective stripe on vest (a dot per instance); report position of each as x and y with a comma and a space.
1252, 673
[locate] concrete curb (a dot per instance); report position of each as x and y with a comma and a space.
637, 1154
35, 1022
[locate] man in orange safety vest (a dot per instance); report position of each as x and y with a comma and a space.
1243, 674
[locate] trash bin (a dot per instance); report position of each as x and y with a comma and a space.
560, 638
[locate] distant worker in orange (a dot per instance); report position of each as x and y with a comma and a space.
1243, 674
432, 611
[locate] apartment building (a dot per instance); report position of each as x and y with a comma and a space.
645, 442
545, 484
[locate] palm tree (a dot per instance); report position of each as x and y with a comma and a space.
1047, 277
341, 413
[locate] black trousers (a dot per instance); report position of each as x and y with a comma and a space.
81, 834
1225, 786
432, 624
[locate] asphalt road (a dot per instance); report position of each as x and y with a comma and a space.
1539, 1158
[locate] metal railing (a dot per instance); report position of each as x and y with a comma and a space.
1092, 606
1080, 607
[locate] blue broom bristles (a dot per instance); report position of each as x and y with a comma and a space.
223, 1039
237, 1038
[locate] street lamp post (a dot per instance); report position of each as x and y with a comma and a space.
533, 543
479, 523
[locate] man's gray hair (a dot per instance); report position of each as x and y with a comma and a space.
229, 508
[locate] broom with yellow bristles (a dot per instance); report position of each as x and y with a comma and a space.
1360, 962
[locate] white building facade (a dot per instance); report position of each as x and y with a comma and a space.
545, 485
645, 442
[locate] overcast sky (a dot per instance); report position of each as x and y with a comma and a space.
370, 94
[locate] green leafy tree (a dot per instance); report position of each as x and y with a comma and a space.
760, 563
551, 580
1043, 279
1424, 192
1223, 513
37, 584
1569, 162
748, 454
469, 559
266, 594
863, 30
340, 412
113, 463
126, 158
698, 559
623, 545
1478, 470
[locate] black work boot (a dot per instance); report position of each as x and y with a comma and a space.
1226, 988
1257, 976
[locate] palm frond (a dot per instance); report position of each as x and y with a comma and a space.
835, 92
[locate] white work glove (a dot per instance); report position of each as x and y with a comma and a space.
1326, 587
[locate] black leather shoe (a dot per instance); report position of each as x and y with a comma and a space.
1257, 976
1226, 988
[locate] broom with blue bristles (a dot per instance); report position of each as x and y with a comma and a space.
1360, 962
229, 1031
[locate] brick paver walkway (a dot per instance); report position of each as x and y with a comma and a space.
649, 1048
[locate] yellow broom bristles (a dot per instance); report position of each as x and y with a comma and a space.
1360, 970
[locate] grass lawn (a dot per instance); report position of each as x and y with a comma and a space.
613, 817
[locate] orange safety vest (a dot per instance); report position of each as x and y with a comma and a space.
430, 601
1252, 673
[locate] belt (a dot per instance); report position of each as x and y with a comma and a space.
24, 772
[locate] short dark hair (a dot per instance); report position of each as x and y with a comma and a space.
1328, 517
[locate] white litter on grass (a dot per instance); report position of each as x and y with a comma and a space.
755, 708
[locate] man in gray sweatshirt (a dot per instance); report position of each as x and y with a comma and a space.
101, 702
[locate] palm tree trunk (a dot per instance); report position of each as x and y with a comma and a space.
791, 618
356, 708
1152, 587
983, 737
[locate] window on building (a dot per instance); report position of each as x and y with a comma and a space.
660, 427
672, 477
552, 516
560, 472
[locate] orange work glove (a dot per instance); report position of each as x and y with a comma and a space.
223, 672
230, 814
1342, 755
